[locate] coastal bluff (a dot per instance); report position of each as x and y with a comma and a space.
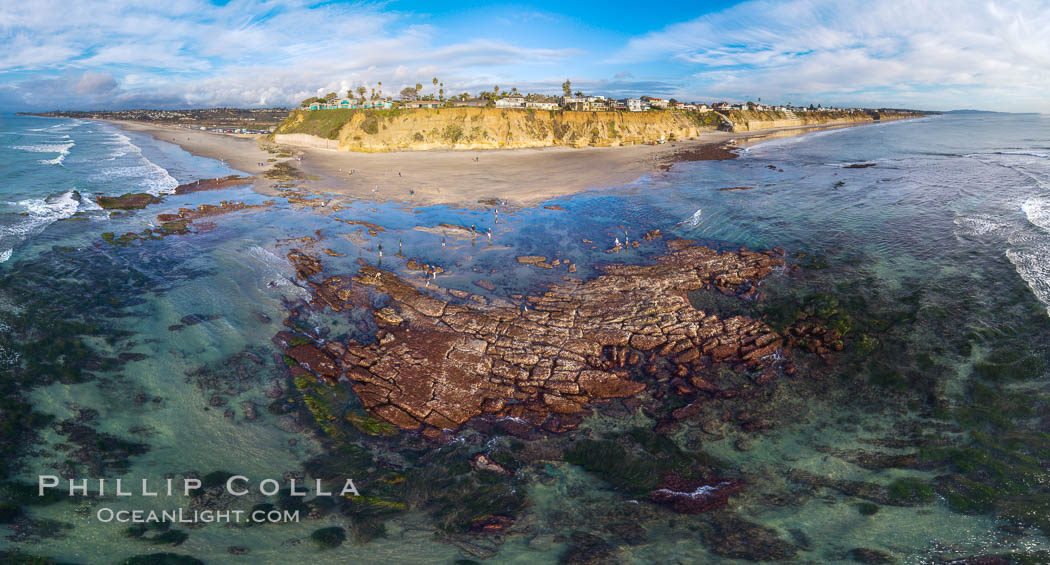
484, 128
372, 131
751, 120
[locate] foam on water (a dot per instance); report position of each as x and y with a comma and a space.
123, 144
5, 255
1034, 268
156, 179
1037, 210
40, 213
46, 147
978, 225
61, 148
694, 220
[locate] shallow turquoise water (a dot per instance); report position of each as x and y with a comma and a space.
946, 235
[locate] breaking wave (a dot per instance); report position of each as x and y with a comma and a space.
46, 147
694, 220
1037, 210
1035, 270
61, 148
40, 213
156, 179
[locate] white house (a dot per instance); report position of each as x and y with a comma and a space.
541, 105
637, 105
511, 102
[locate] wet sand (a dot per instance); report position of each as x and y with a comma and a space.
242, 152
518, 177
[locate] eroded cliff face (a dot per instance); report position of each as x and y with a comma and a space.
485, 128
757, 121
496, 128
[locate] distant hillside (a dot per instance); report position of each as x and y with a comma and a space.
485, 128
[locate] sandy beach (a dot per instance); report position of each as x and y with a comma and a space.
518, 177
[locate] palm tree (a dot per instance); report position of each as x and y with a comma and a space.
419, 86
435, 81
361, 90
495, 90
566, 87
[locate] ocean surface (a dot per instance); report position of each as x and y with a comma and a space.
155, 359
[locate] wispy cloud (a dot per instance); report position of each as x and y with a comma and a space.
934, 52
246, 52
177, 53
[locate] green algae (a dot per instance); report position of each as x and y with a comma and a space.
867, 508
610, 461
910, 491
216, 479
328, 538
637, 461
131, 201
20, 558
162, 559
370, 425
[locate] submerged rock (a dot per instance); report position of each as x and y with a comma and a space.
587, 549
693, 496
729, 535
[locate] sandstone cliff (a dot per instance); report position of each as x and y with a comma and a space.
485, 128
757, 121
495, 128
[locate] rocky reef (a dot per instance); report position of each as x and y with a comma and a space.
436, 364
201, 185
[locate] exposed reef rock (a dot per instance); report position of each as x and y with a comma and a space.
213, 184
437, 364
132, 201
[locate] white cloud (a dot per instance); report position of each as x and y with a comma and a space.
932, 53
935, 53
247, 52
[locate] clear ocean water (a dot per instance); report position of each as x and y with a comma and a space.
946, 236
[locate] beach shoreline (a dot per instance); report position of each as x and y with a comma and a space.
517, 177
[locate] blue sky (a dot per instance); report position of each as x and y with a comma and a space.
986, 54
